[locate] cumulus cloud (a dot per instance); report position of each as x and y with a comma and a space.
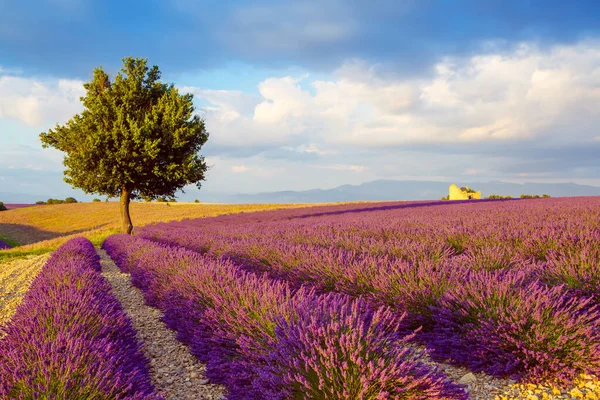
37, 102
239, 168
523, 95
531, 111
346, 167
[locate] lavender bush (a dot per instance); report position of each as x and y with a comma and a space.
318, 355
70, 338
507, 325
4, 245
265, 339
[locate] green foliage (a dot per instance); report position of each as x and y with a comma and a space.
68, 200
497, 196
166, 199
96, 200
196, 201
446, 197
545, 196
135, 133
40, 203
2, 207
530, 196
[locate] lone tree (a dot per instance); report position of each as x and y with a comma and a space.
137, 137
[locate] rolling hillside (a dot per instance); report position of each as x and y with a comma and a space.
37, 230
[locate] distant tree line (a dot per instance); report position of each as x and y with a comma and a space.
535, 196
2, 207
523, 196
68, 200
498, 196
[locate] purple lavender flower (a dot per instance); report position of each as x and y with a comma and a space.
70, 338
264, 338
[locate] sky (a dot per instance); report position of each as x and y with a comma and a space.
315, 94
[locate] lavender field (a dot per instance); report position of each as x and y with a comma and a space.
361, 301
510, 288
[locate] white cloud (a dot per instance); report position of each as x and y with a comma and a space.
37, 102
495, 109
239, 168
523, 95
346, 167
309, 149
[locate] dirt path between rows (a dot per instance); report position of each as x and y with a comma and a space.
175, 373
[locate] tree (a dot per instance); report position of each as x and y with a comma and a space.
2, 207
136, 138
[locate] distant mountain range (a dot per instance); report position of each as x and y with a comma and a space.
20, 198
402, 190
375, 190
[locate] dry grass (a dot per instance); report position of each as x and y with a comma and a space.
43, 228
15, 278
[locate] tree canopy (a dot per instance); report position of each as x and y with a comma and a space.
137, 137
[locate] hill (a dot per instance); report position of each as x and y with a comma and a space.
43, 228
408, 190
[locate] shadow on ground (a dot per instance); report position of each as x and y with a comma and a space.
26, 234
397, 206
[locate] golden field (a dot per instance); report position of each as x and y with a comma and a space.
41, 229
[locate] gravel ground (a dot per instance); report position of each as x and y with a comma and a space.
485, 387
176, 374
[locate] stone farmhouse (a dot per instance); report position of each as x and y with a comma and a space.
462, 193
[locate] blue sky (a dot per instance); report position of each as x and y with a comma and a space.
307, 94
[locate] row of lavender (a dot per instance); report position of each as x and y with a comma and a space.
262, 339
510, 288
4, 245
490, 235
70, 338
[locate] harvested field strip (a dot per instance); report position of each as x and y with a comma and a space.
264, 340
174, 371
70, 339
15, 278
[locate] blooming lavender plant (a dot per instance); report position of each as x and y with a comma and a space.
246, 326
70, 338
507, 325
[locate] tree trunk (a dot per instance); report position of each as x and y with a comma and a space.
126, 226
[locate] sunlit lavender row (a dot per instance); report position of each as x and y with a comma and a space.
70, 338
265, 340
506, 287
